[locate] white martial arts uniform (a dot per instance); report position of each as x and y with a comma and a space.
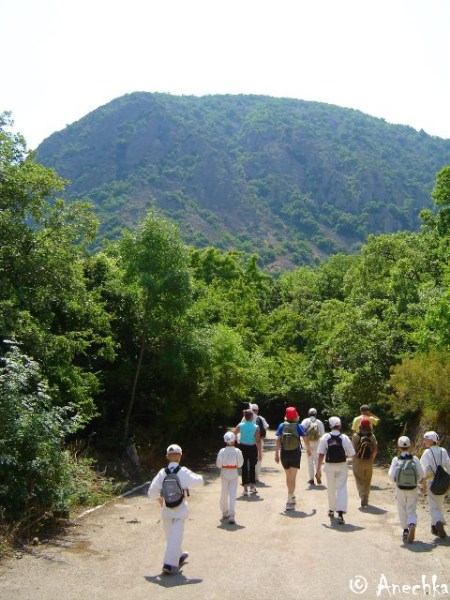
336, 472
173, 518
229, 460
433, 456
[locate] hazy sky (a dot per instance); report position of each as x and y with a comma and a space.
62, 59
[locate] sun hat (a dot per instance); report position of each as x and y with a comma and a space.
404, 442
229, 437
431, 435
291, 413
174, 449
334, 422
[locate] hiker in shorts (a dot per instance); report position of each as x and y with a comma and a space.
365, 414
314, 431
288, 450
229, 460
173, 518
366, 448
335, 447
263, 427
433, 456
406, 472
251, 447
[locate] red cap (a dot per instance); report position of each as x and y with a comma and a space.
291, 413
365, 423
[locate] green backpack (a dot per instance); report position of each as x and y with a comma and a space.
290, 439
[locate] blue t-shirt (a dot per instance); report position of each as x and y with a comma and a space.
301, 432
248, 433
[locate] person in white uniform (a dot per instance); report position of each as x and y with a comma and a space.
433, 456
173, 518
406, 496
335, 447
314, 431
229, 460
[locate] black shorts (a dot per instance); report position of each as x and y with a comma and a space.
290, 458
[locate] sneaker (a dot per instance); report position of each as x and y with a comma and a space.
319, 480
245, 492
411, 533
311, 481
331, 514
231, 521
340, 518
224, 517
405, 535
440, 529
290, 506
183, 559
253, 490
434, 531
169, 570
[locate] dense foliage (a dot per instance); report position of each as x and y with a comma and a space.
147, 338
290, 180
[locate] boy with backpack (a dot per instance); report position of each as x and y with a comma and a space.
335, 447
229, 460
314, 431
170, 487
366, 448
406, 471
433, 459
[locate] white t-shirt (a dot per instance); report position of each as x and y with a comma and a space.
306, 424
187, 479
346, 443
229, 456
433, 456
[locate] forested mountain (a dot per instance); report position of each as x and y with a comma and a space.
288, 179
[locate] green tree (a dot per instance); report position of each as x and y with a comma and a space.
44, 300
155, 266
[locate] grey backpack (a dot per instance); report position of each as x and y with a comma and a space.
171, 489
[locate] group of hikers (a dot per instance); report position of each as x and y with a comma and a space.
244, 450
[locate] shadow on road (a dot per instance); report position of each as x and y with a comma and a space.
170, 581
298, 514
373, 510
419, 546
347, 528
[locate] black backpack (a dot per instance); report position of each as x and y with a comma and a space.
335, 450
171, 489
262, 429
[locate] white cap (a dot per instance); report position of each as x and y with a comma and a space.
334, 422
431, 435
312, 411
403, 442
254, 406
174, 449
229, 437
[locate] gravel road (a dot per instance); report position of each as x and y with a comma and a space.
115, 552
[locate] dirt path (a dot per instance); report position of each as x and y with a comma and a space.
116, 552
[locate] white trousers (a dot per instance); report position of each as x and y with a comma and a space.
336, 474
313, 459
406, 506
228, 495
436, 506
174, 529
